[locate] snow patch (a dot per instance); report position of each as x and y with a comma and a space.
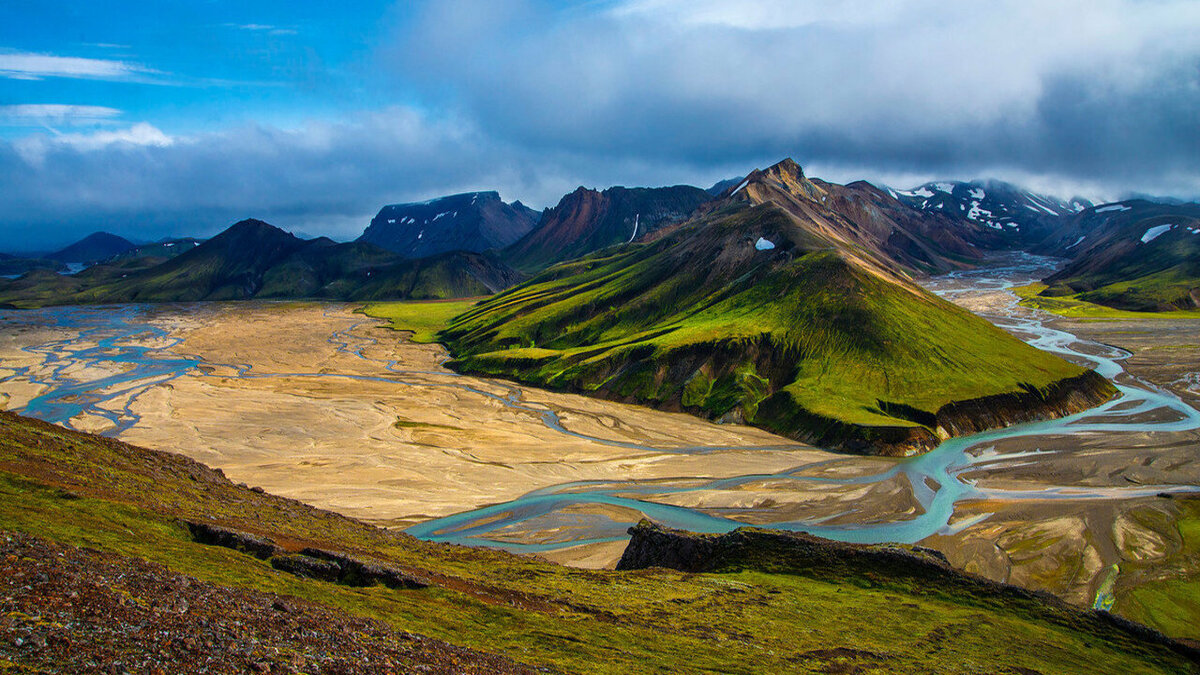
1114, 207
421, 234
919, 192
978, 193
743, 184
944, 187
763, 245
1078, 241
391, 221
1155, 232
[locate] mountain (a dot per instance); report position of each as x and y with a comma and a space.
588, 220
723, 185
1022, 217
160, 250
253, 259
884, 232
474, 221
1135, 255
93, 248
771, 307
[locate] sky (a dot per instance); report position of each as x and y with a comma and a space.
180, 117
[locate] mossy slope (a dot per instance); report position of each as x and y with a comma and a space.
88, 491
812, 337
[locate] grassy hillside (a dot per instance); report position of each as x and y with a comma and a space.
423, 319
1136, 255
794, 338
121, 501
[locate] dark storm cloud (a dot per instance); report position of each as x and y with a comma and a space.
1102, 93
532, 99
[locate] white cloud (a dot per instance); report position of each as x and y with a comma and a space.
52, 113
31, 66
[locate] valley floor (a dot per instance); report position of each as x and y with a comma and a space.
320, 404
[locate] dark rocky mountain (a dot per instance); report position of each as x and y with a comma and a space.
93, 248
474, 221
588, 220
891, 235
784, 304
1136, 255
253, 259
723, 185
1021, 217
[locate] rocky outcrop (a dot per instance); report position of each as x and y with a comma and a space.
214, 535
780, 552
309, 563
354, 572
653, 545
1065, 397
959, 418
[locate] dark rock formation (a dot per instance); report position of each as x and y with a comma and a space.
653, 545
307, 567
214, 535
1065, 397
354, 572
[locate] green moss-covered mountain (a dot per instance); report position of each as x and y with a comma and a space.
105, 509
1133, 255
775, 308
252, 259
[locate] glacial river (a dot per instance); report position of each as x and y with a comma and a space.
127, 338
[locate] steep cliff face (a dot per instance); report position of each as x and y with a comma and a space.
588, 220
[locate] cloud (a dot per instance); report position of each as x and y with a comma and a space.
31, 66
44, 114
263, 28
1090, 90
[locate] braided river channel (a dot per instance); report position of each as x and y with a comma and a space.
100, 361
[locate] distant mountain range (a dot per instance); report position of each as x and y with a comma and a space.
474, 221
475, 240
786, 303
1135, 255
252, 259
1022, 217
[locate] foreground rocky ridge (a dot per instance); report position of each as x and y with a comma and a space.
70, 489
70, 609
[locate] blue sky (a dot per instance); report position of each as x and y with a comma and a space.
169, 117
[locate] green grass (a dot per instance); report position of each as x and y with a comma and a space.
423, 319
1073, 306
762, 334
1166, 594
87, 491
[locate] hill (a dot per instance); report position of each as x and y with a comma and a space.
474, 221
1132, 255
160, 251
789, 316
93, 248
112, 553
588, 220
1020, 217
253, 259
